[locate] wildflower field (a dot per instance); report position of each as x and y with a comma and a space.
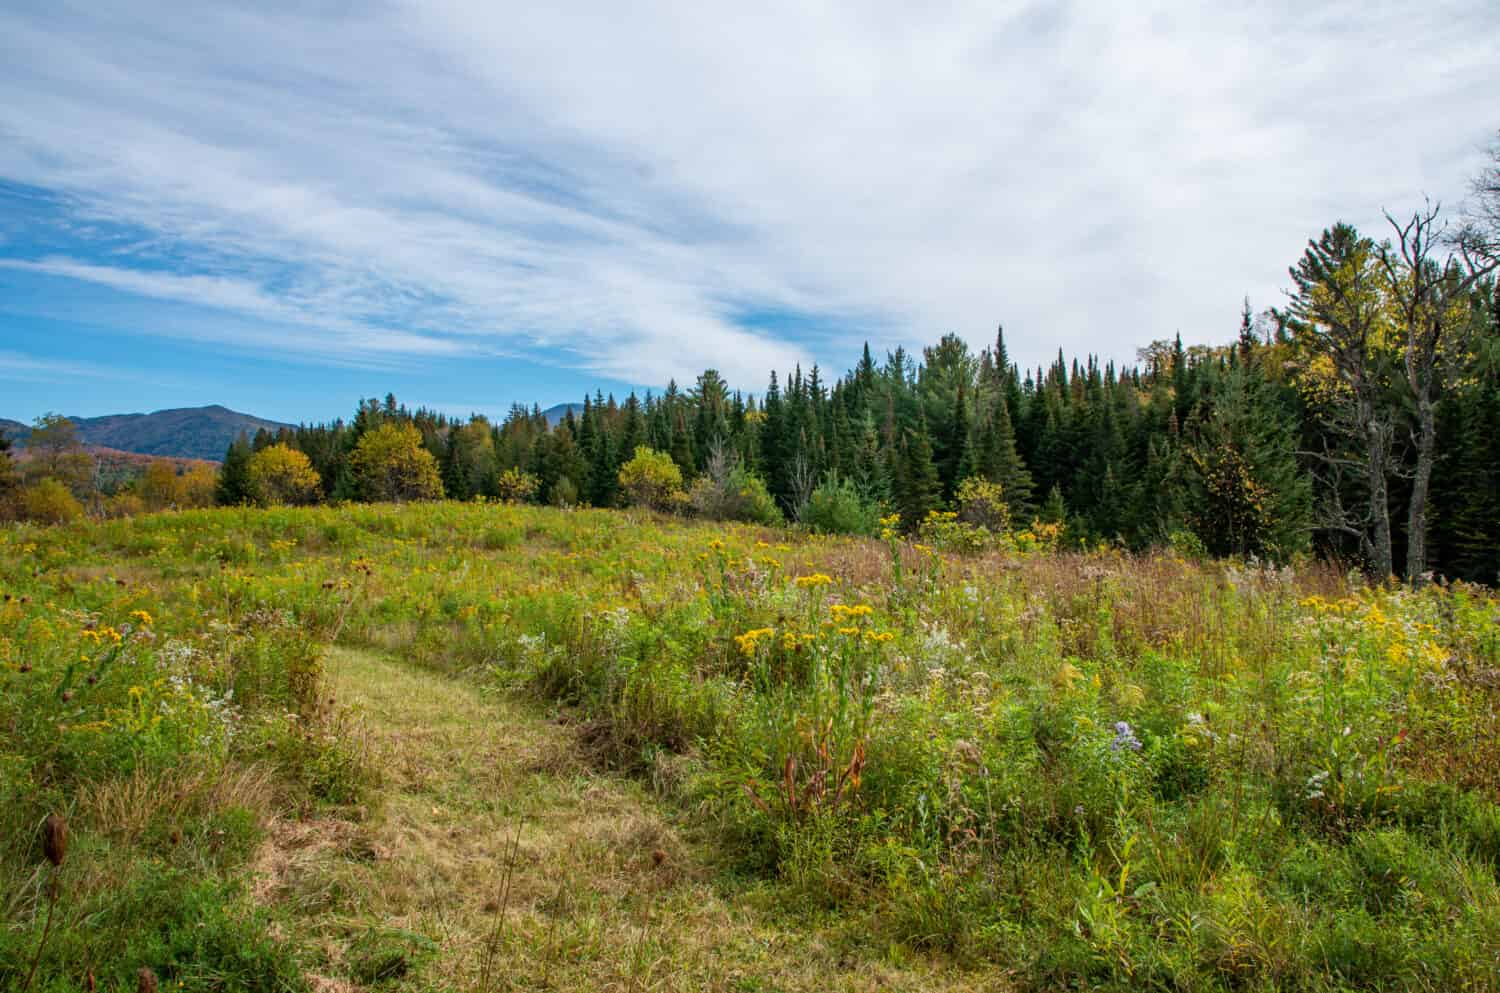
1007, 769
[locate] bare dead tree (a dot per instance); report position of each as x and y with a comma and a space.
1482, 212
720, 461
803, 480
1428, 290
714, 494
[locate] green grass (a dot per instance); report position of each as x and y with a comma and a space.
1026, 770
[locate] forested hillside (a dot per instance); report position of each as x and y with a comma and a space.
184, 433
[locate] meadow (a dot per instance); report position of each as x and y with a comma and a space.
844, 763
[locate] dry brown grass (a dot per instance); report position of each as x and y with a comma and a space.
606, 893
123, 809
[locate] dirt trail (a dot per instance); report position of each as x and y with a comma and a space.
604, 894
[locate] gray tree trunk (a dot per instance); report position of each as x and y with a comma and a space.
1378, 451
1416, 520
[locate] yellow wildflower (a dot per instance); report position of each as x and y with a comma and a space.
748, 641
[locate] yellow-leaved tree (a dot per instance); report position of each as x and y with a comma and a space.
279, 474
159, 486
652, 479
390, 463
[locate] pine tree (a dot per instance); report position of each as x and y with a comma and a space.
632, 425
956, 452
997, 459
234, 475
1250, 495
1054, 510
604, 472
1247, 340
918, 485
871, 472
1469, 502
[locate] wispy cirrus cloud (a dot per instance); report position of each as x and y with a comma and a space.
17, 365
629, 191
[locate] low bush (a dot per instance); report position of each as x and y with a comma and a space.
837, 507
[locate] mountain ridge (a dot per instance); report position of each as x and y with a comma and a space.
187, 432
176, 432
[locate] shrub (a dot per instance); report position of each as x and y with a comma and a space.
942, 529
125, 504
982, 503
738, 495
836, 507
50, 502
564, 492
279, 474
515, 486
756, 505
652, 479
1187, 545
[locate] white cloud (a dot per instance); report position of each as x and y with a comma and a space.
623, 183
18, 366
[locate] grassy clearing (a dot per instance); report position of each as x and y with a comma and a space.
861, 763
499, 860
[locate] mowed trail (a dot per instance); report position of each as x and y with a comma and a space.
495, 858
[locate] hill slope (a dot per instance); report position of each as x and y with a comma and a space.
184, 432
558, 412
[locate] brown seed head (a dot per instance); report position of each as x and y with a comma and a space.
658, 857
145, 980
55, 838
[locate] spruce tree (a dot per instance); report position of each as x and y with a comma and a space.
632, 425
997, 459
1470, 515
1054, 510
918, 486
233, 489
955, 451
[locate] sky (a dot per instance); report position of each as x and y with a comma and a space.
285, 207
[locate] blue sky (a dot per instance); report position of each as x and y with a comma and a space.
285, 207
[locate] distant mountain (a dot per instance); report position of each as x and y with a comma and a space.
558, 412
184, 432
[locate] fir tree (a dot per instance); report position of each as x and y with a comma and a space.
918, 485
1054, 510
234, 475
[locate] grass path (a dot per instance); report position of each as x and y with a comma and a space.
604, 891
